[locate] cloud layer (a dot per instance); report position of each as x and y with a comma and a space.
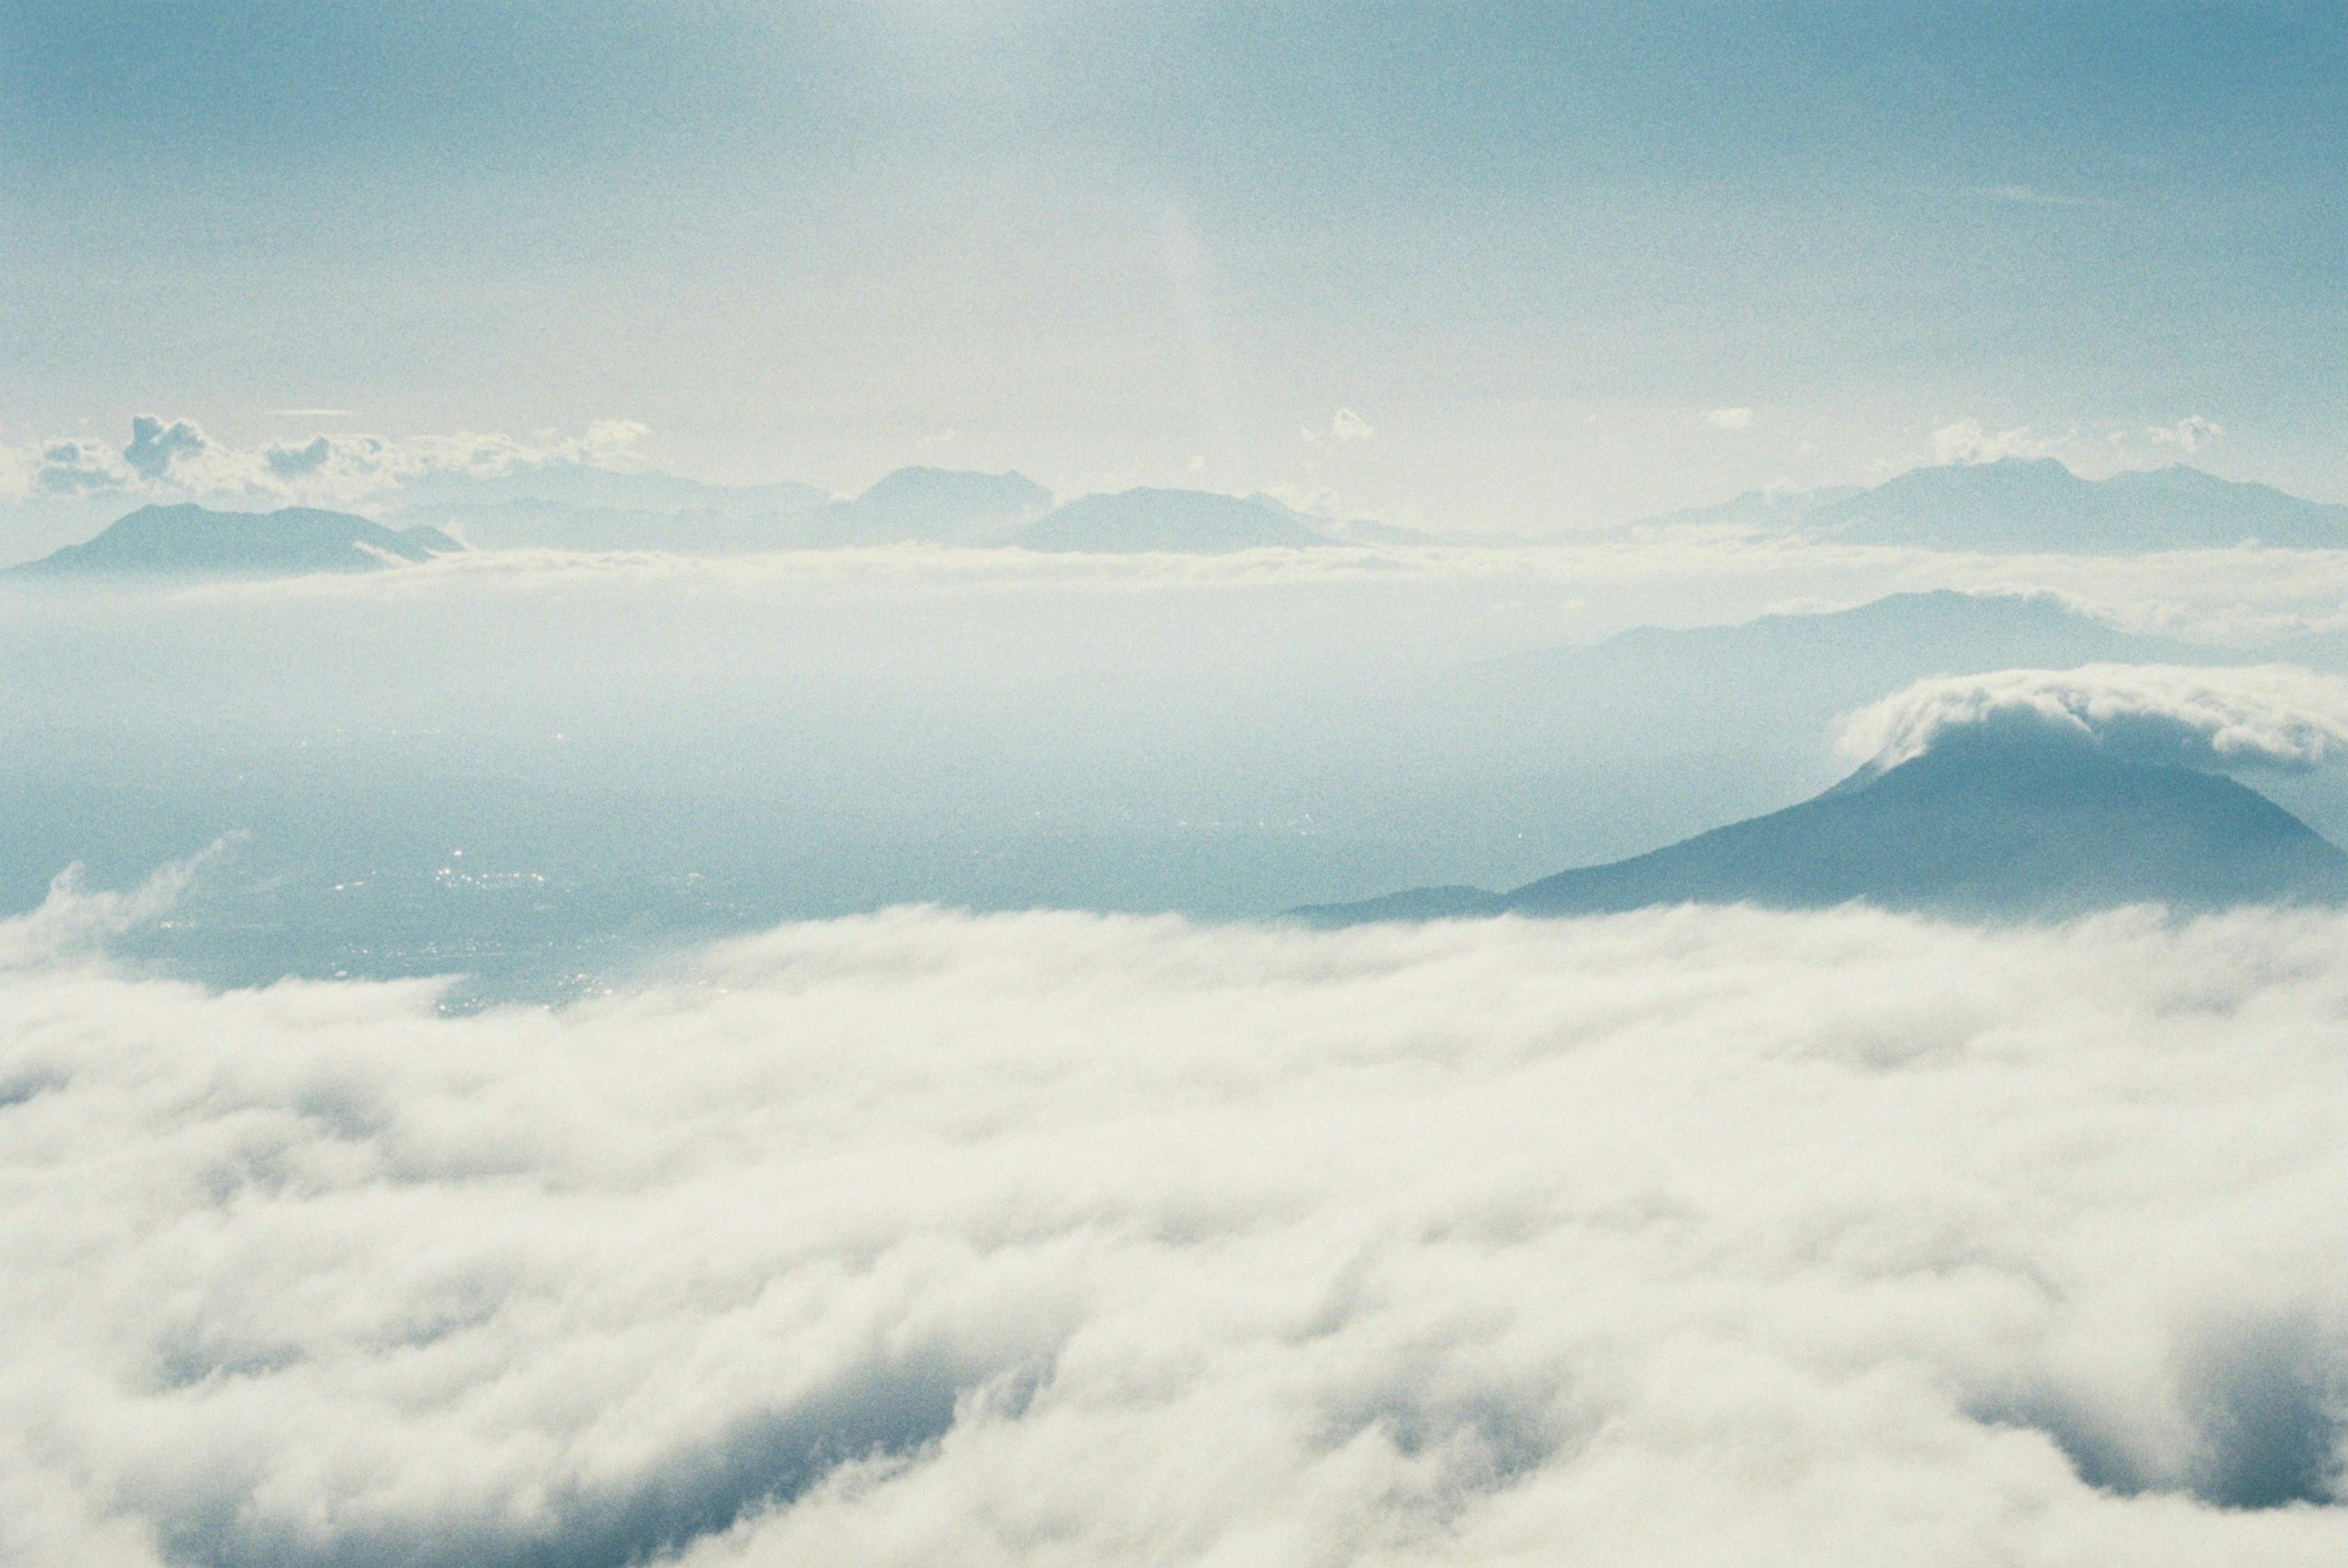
1682, 1238
2272, 715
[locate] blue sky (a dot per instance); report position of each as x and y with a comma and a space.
1540, 255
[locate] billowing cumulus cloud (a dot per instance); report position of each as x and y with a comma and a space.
155, 447
1688, 1237
171, 460
2188, 435
2272, 715
1969, 441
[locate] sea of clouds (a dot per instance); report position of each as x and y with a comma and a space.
1690, 1236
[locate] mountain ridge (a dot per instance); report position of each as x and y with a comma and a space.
2022, 505
190, 541
1978, 826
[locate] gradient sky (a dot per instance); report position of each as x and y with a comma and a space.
1544, 257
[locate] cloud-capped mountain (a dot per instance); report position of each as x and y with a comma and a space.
189, 540
2014, 792
2020, 506
1985, 824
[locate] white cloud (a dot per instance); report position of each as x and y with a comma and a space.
1966, 441
1348, 426
171, 460
2273, 715
1682, 1238
2190, 434
1730, 419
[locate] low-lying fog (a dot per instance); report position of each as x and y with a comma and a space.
529, 765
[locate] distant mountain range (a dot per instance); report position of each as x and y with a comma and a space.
2006, 826
2020, 506
189, 540
584, 486
2016, 506
925, 505
931, 506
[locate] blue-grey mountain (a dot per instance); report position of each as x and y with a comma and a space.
2020, 506
1983, 824
1191, 521
189, 540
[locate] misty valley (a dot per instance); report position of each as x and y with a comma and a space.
1141, 785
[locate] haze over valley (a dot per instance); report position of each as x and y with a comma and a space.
1093, 785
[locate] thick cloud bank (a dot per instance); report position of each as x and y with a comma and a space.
2269, 715
1682, 1238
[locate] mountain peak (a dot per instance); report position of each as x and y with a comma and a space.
1997, 823
190, 541
2027, 505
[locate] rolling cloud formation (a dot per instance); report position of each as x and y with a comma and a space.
1055, 1238
2273, 715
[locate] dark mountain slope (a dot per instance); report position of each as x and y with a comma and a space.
2005, 827
189, 540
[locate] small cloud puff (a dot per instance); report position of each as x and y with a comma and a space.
1968, 441
2273, 715
2190, 434
1730, 419
155, 447
1348, 426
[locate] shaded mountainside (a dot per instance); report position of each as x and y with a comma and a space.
189, 540
1977, 826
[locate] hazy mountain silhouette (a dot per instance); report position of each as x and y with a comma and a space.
534, 524
583, 486
189, 540
934, 506
2001, 825
1869, 649
2020, 506
1788, 675
1188, 522
1754, 508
